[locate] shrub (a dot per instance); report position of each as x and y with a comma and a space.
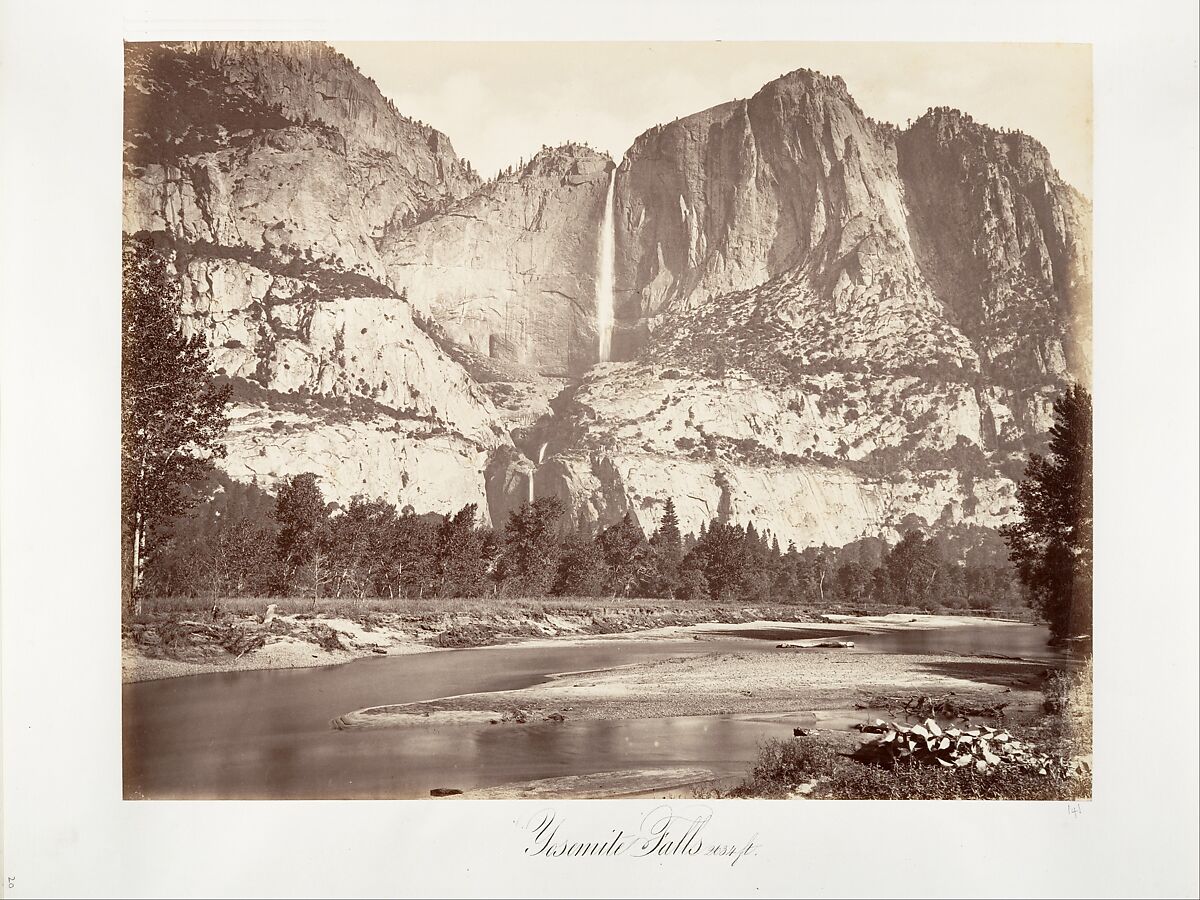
810, 763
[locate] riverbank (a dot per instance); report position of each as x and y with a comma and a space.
629, 714
179, 639
825, 695
806, 683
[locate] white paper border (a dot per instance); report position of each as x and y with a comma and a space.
66, 830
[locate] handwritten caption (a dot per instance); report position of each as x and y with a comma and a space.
662, 832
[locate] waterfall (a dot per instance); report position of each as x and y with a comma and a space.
606, 252
541, 454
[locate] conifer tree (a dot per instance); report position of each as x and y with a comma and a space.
1051, 544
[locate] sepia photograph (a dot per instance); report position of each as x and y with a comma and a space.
741, 453
623, 449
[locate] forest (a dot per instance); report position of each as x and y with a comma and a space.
240, 541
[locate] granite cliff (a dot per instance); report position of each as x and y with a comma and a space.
829, 325
822, 322
510, 270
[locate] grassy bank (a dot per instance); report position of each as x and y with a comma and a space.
842, 766
187, 635
481, 607
182, 636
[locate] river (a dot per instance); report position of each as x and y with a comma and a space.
267, 734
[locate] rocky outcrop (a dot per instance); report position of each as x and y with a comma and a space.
510, 271
795, 179
840, 459
347, 387
408, 462
792, 226
268, 173
275, 146
1005, 242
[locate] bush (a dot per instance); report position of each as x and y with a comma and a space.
784, 766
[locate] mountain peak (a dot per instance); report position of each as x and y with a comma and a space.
948, 123
811, 79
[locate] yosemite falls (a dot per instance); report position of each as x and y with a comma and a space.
605, 263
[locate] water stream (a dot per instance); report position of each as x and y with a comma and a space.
605, 263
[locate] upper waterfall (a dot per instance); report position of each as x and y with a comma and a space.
607, 252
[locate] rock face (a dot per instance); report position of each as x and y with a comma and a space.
1005, 243
948, 241
823, 323
835, 326
280, 147
268, 173
510, 271
823, 463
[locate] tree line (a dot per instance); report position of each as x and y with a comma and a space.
244, 543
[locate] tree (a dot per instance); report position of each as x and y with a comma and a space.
667, 538
1051, 544
720, 555
623, 546
581, 568
172, 415
359, 544
853, 582
304, 535
460, 557
529, 557
412, 563
663, 555
692, 585
910, 570
243, 563
660, 576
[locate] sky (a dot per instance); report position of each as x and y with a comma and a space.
499, 102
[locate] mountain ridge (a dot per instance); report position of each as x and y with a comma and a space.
823, 322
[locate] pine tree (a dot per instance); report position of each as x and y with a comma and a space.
668, 537
624, 548
172, 416
1051, 545
581, 568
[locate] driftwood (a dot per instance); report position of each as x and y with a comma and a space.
922, 705
230, 638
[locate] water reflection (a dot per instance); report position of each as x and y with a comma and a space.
267, 734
